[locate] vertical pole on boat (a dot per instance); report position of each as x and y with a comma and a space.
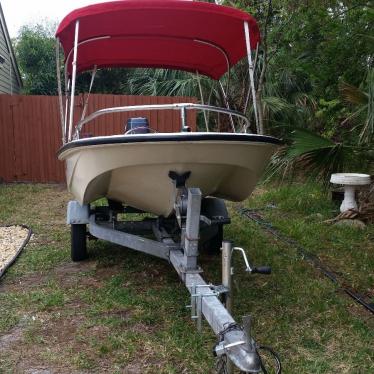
226, 282
251, 73
227, 105
61, 105
184, 119
202, 101
74, 74
67, 87
89, 93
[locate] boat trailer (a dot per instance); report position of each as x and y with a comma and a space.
197, 220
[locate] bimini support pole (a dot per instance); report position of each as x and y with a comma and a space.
67, 88
73, 79
227, 105
202, 101
251, 74
93, 74
61, 105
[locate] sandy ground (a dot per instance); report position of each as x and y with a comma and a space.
11, 239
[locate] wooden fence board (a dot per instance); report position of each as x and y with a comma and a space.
30, 130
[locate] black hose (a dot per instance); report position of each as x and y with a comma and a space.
313, 259
274, 354
27, 239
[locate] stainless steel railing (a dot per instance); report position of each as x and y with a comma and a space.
182, 107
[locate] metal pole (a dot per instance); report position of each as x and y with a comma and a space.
67, 87
58, 70
74, 74
227, 105
191, 239
202, 101
226, 272
251, 74
89, 92
226, 282
184, 118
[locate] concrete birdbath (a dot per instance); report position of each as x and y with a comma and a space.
350, 181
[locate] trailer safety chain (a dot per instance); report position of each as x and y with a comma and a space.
221, 362
253, 215
221, 365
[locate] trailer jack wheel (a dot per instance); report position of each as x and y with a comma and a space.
78, 242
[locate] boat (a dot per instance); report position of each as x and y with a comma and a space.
135, 168
182, 178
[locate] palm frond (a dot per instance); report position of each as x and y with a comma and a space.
363, 103
274, 104
315, 156
352, 95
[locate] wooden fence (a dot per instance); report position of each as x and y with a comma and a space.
30, 130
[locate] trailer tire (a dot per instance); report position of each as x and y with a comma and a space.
78, 243
215, 243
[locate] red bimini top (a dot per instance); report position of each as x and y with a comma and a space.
175, 34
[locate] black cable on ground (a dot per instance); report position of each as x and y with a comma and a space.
20, 249
313, 259
274, 354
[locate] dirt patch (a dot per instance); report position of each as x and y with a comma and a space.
72, 268
73, 273
38, 371
106, 272
364, 314
27, 282
66, 274
123, 314
143, 328
14, 336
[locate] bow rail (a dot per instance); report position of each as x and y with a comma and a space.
182, 107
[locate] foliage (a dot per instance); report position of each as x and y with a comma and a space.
313, 49
36, 55
162, 82
35, 51
317, 157
362, 101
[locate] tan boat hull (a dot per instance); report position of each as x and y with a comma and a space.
137, 173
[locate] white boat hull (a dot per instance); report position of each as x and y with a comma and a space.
137, 173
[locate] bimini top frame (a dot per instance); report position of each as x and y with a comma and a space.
199, 37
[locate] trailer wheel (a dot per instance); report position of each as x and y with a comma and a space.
78, 242
215, 243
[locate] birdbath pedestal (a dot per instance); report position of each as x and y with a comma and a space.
350, 181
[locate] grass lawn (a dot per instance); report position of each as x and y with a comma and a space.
124, 312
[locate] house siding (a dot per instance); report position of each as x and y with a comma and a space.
8, 75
